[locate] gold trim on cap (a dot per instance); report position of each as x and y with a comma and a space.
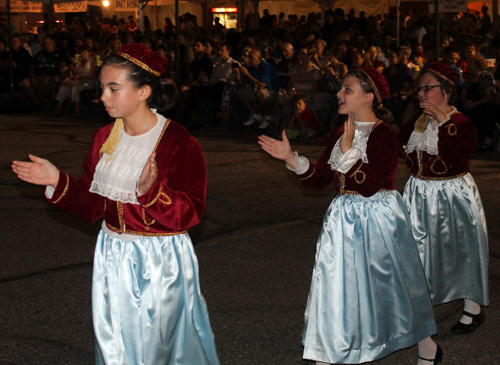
439, 74
139, 63
374, 87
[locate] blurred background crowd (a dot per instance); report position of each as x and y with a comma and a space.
284, 74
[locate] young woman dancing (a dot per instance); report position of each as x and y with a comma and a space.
442, 198
368, 296
146, 176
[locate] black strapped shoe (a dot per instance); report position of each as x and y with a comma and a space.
465, 329
437, 359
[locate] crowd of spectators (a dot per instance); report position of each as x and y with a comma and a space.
283, 75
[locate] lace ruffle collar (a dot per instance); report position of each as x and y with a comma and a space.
429, 139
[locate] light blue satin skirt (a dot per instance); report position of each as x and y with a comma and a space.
147, 307
449, 226
368, 296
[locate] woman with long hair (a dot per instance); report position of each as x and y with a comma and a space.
368, 294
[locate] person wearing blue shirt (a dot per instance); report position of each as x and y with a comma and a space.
258, 83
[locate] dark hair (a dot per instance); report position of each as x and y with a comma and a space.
163, 92
300, 96
367, 87
203, 41
228, 46
450, 49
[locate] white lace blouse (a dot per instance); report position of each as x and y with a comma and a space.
117, 179
339, 161
427, 141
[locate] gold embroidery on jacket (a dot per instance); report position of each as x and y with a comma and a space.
355, 175
161, 135
407, 158
420, 155
155, 199
144, 219
64, 191
376, 124
452, 129
444, 164
342, 182
168, 201
119, 209
307, 177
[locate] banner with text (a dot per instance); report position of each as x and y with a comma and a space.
449, 6
126, 5
21, 6
71, 7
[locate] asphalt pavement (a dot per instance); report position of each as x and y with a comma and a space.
255, 245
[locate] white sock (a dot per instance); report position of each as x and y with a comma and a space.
472, 308
427, 349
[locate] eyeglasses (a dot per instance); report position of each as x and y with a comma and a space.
425, 88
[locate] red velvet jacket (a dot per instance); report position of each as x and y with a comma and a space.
363, 178
175, 202
457, 143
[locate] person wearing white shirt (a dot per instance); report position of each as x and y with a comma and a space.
223, 81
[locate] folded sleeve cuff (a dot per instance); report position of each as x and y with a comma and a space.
52, 195
302, 164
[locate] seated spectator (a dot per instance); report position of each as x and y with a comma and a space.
199, 75
223, 80
359, 59
335, 69
83, 78
400, 80
200, 69
24, 37
92, 45
330, 84
372, 53
21, 63
132, 25
210, 52
287, 63
305, 76
320, 59
113, 47
451, 56
244, 56
478, 99
303, 124
47, 65
33, 44
419, 31
486, 48
305, 79
469, 50
263, 87
162, 50
417, 59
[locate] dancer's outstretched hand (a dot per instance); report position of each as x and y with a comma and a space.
38, 172
278, 149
